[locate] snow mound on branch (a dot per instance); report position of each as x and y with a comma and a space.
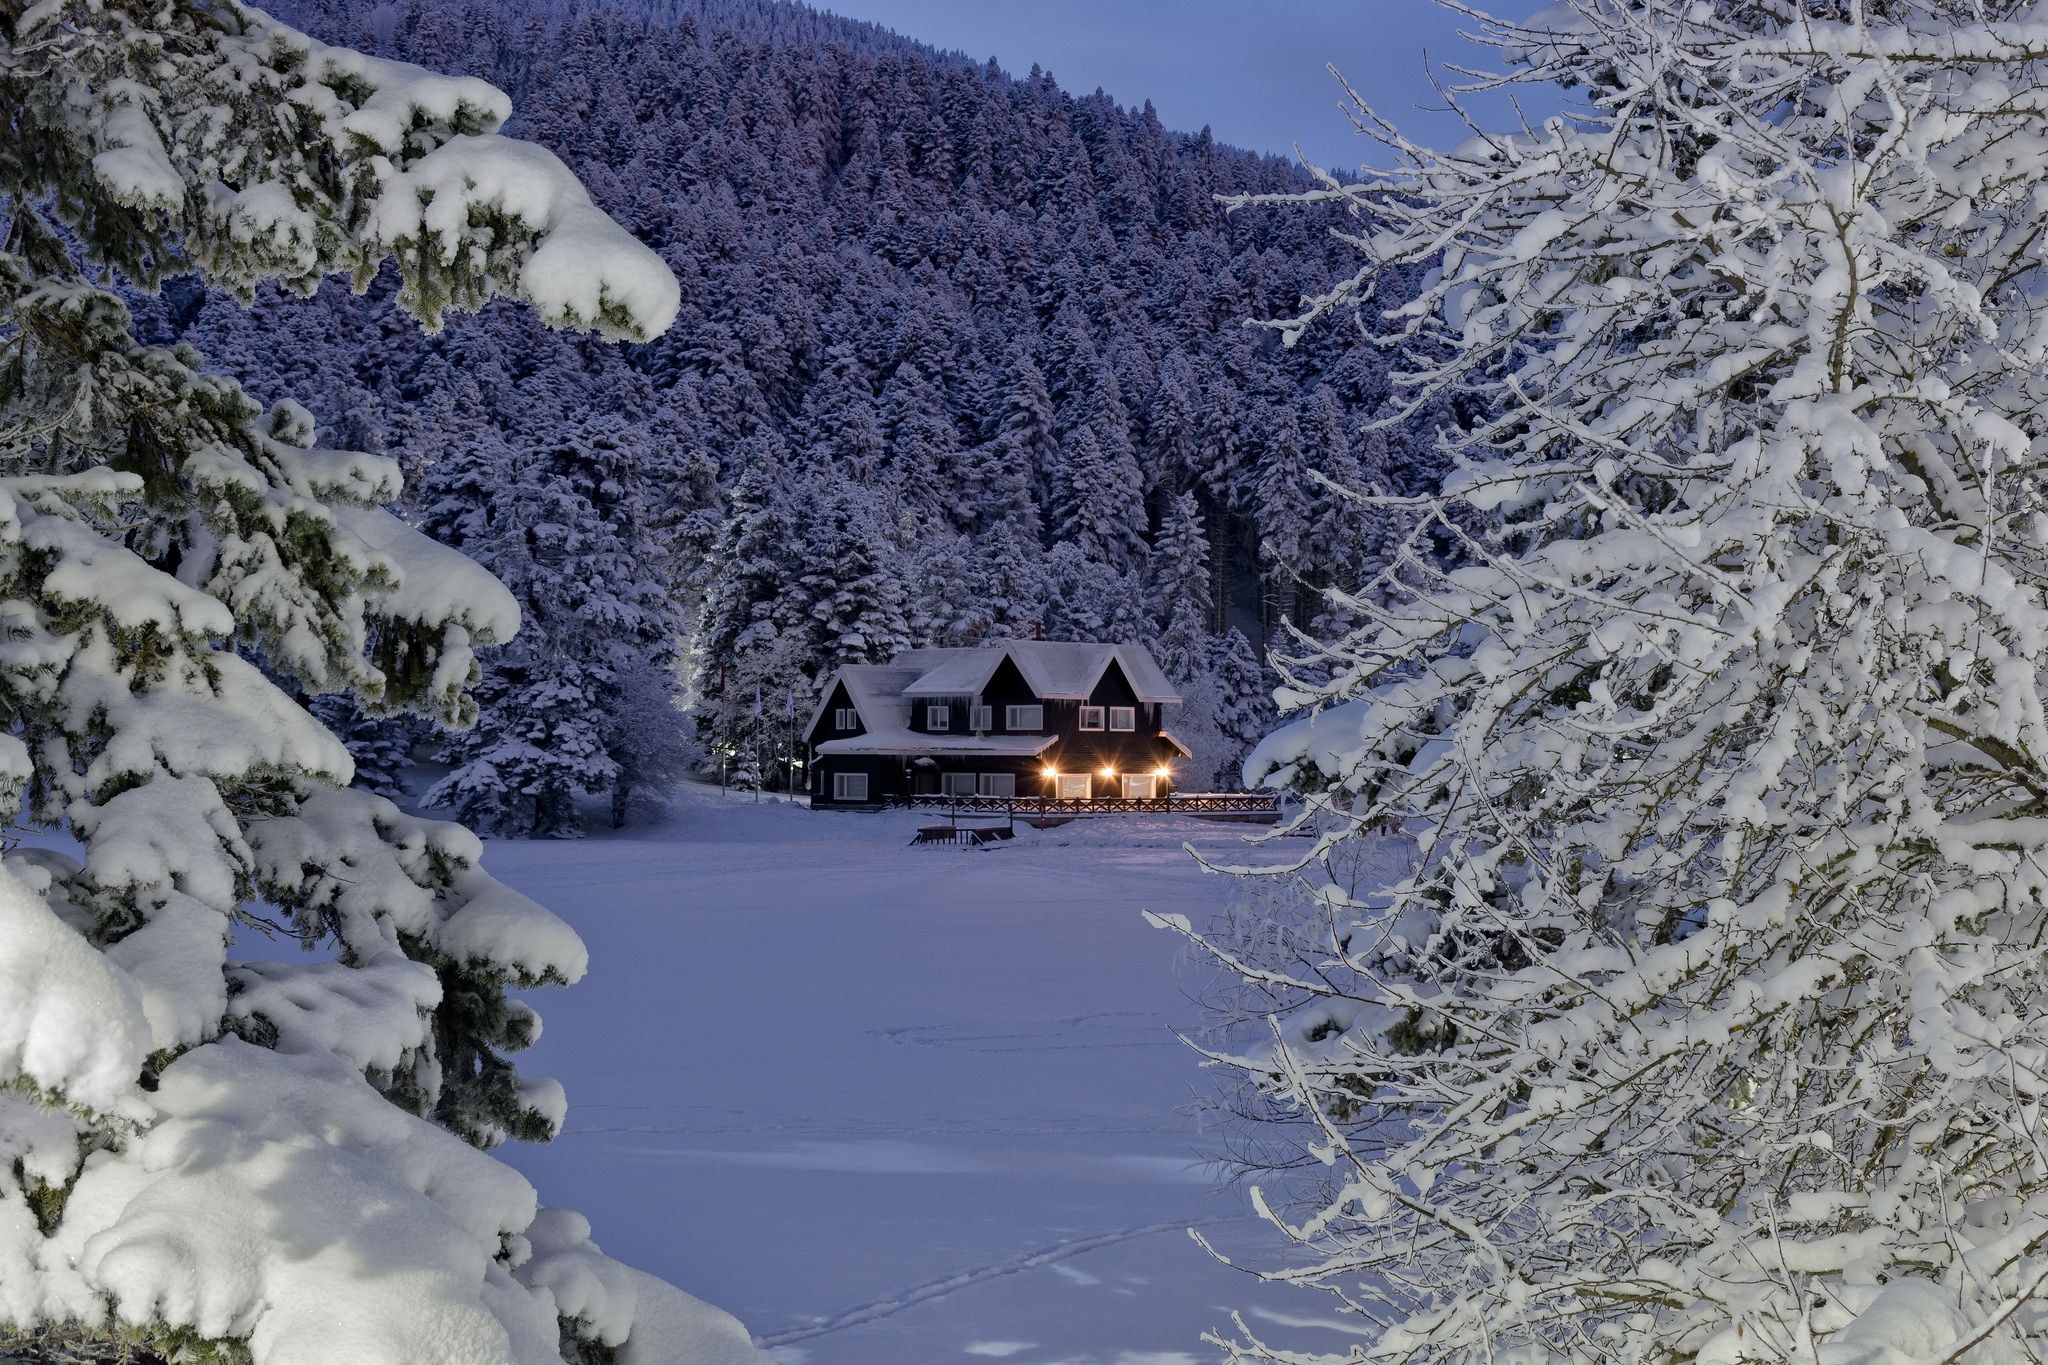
70, 1021
499, 926
435, 583
650, 1319
1328, 741
1906, 1322
269, 1183
370, 1014
584, 264
174, 960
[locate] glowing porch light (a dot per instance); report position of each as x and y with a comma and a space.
1109, 772
1162, 771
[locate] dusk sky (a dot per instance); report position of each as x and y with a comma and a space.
1253, 72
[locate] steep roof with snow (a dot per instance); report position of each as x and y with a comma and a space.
876, 691
1058, 670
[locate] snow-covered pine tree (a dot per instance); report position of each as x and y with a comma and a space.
1709, 1025
1178, 588
1241, 705
1097, 504
856, 586
1025, 429
189, 1147
582, 702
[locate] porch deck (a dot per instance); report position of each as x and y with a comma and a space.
1250, 807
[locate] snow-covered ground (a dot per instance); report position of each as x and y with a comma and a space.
897, 1105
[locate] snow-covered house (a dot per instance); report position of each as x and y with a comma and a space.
1071, 719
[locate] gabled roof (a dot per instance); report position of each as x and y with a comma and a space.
951, 672
1060, 670
876, 691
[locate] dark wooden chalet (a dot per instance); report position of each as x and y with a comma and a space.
1020, 718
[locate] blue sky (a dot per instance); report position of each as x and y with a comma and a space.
1254, 72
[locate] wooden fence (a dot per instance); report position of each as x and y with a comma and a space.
1234, 805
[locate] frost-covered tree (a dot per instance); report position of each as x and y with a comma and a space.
262, 1161
857, 590
1240, 701
1710, 1022
1179, 590
566, 529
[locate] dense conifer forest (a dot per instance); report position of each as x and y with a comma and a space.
961, 355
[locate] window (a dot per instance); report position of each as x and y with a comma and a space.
983, 718
1123, 717
998, 784
1091, 718
849, 786
938, 718
956, 784
1139, 787
1023, 717
845, 718
1074, 787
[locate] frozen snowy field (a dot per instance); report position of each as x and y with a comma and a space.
895, 1106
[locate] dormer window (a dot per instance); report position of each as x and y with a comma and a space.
983, 718
1091, 718
1024, 718
937, 718
1123, 717
845, 718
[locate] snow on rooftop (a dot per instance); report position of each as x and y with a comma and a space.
1063, 670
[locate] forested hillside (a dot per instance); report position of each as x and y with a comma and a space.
960, 354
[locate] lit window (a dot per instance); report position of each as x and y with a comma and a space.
849, 786
1123, 717
1139, 787
1091, 718
845, 718
1075, 787
998, 784
1024, 718
938, 718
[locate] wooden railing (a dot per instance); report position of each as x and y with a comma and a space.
1255, 804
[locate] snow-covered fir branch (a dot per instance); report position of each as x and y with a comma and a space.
263, 1161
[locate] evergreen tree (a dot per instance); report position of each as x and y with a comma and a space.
191, 1143
1087, 600
567, 532
1179, 589
854, 291
858, 595
1097, 507
1242, 703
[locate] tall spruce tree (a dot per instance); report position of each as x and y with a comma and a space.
582, 703
262, 1161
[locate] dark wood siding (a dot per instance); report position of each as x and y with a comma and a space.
1005, 688
827, 727
1140, 750
884, 774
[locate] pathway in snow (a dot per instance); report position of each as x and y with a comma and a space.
896, 1106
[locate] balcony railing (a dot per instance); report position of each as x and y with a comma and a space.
1256, 805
